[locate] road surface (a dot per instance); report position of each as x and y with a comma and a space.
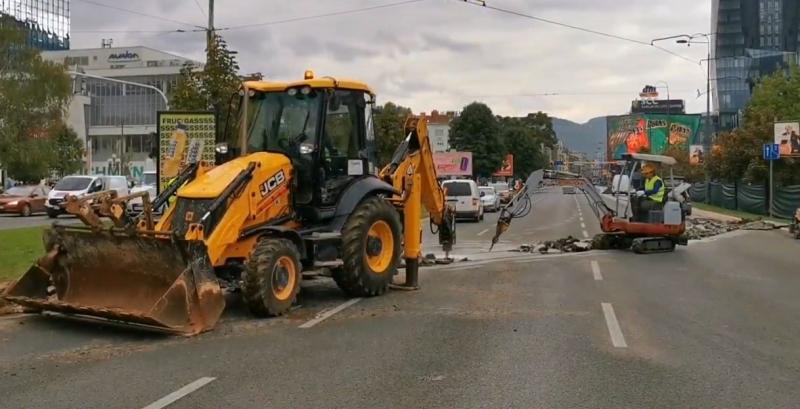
713, 325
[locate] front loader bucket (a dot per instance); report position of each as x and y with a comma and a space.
144, 279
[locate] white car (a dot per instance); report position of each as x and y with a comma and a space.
80, 185
149, 185
489, 198
463, 193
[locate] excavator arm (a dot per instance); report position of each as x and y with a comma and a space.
412, 173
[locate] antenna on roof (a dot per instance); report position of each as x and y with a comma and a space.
106, 42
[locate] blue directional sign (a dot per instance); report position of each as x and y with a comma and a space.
771, 151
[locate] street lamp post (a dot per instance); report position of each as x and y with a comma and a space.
135, 84
688, 39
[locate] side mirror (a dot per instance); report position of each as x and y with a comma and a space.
131, 184
483, 194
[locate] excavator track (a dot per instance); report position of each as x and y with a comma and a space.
650, 245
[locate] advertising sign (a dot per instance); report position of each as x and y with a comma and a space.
787, 136
184, 137
697, 155
658, 106
508, 167
650, 133
453, 163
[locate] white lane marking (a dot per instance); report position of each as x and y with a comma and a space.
174, 396
585, 234
617, 339
596, 271
483, 232
328, 313
19, 316
583, 225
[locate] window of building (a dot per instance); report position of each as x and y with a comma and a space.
153, 64
439, 132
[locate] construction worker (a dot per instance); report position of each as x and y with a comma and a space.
652, 197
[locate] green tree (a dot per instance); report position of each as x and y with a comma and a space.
214, 87
776, 96
67, 150
33, 96
522, 142
476, 130
389, 121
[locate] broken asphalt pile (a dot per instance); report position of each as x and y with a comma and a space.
566, 245
696, 229
700, 228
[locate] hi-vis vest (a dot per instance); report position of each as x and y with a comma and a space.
650, 184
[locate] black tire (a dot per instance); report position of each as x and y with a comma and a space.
263, 275
26, 211
52, 214
356, 278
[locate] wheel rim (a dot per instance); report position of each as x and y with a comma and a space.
379, 246
284, 276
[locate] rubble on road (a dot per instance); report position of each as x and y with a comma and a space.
568, 244
699, 228
6, 307
760, 225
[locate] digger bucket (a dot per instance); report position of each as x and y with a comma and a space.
142, 280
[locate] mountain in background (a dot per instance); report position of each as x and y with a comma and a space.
585, 138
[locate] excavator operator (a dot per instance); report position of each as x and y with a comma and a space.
652, 197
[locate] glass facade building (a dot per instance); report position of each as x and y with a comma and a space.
45, 22
752, 38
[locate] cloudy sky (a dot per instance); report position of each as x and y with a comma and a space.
436, 54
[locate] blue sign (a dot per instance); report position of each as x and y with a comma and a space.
771, 151
559, 163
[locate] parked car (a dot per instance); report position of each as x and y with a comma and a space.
80, 185
503, 191
489, 198
463, 193
149, 184
568, 190
24, 200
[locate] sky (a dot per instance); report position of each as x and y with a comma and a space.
436, 54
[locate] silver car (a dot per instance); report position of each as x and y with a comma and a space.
489, 198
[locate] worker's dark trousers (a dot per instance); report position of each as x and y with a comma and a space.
644, 206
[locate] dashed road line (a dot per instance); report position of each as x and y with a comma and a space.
585, 234
482, 232
180, 393
328, 313
583, 225
596, 271
617, 339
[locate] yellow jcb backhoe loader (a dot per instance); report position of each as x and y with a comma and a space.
299, 192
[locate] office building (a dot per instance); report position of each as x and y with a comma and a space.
116, 120
752, 38
45, 22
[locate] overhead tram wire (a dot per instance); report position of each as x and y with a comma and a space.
482, 3
139, 13
323, 15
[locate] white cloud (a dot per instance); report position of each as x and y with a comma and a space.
442, 54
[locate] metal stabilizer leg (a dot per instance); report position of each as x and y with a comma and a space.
412, 277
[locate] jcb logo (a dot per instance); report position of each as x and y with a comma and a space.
272, 183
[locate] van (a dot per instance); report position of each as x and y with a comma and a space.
81, 185
464, 194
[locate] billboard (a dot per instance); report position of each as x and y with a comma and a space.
453, 163
697, 155
184, 137
507, 169
658, 106
787, 136
650, 133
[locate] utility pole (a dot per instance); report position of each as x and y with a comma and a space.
210, 30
